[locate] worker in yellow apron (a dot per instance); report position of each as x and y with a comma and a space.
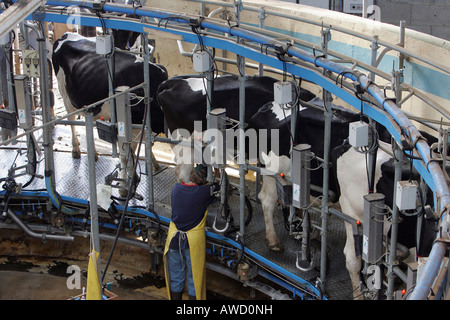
184, 252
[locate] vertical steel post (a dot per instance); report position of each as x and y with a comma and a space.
241, 143
293, 126
46, 113
111, 70
398, 75
394, 221
95, 237
398, 159
364, 8
148, 123
262, 18
326, 167
209, 90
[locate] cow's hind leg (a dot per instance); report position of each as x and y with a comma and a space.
353, 263
268, 199
76, 152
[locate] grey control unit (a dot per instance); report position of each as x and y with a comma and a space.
301, 155
374, 211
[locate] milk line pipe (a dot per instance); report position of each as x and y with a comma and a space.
337, 28
441, 188
419, 95
149, 12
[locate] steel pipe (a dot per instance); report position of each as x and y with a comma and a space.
43, 236
437, 182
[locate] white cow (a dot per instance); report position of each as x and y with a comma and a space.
352, 177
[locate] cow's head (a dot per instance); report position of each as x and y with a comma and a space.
275, 164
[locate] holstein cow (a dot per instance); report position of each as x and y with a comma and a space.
82, 77
352, 176
309, 130
183, 100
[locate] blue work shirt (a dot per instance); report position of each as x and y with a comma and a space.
189, 204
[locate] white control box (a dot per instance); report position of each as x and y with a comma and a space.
358, 134
406, 195
282, 92
201, 61
103, 44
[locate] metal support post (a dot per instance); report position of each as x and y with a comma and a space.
262, 18
241, 143
326, 167
95, 239
293, 126
111, 70
242, 161
46, 112
209, 90
148, 124
398, 75
364, 8
392, 257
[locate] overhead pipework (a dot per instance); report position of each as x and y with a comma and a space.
247, 42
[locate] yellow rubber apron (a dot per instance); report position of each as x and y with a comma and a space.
197, 246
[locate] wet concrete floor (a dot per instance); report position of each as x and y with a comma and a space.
33, 270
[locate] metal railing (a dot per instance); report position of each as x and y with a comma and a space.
312, 66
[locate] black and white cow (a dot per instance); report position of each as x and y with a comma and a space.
183, 101
82, 77
309, 130
351, 172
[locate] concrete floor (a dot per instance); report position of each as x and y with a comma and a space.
19, 285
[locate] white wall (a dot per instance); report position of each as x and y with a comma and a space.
324, 4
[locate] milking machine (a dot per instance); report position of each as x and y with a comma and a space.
294, 190
20, 112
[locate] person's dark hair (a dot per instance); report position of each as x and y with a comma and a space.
198, 175
197, 179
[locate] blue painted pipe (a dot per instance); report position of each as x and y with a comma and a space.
441, 189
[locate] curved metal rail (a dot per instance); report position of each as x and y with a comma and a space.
266, 268
307, 66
